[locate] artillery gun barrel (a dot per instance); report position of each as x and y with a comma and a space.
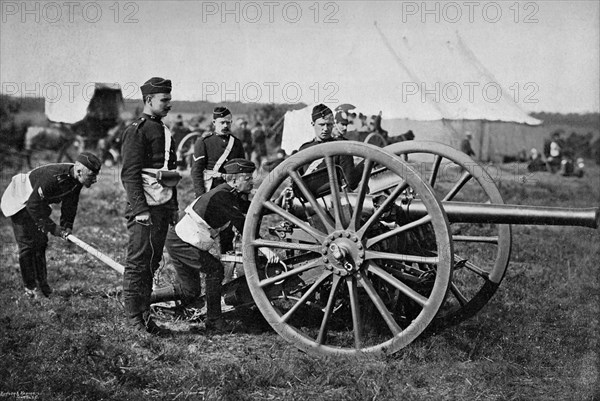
468, 212
465, 212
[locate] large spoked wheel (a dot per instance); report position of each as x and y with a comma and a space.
185, 149
376, 139
482, 251
344, 266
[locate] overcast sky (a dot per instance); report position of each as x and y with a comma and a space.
547, 51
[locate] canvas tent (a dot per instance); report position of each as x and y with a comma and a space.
92, 109
441, 91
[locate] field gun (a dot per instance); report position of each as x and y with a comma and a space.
367, 268
416, 244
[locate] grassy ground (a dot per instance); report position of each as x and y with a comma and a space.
536, 340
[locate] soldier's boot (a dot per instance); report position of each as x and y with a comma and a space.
144, 323
214, 320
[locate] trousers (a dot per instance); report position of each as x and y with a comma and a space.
189, 262
32, 244
144, 253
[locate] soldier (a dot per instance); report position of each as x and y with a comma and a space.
27, 202
322, 122
341, 120
149, 179
189, 242
245, 135
465, 145
213, 150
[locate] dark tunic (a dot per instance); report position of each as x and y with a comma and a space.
223, 205
346, 162
465, 147
218, 207
207, 150
53, 183
144, 147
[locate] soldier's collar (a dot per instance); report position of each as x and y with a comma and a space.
153, 118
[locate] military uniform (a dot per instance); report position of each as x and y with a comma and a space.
27, 202
144, 148
207, 151
218, 208
345, 162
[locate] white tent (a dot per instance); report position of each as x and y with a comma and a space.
441, 91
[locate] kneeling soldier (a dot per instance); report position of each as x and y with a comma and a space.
27, 202
197, 232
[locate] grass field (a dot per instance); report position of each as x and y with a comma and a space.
537, 339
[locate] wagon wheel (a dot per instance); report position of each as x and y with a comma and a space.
482, 250
343, 263
376, 139
184, 148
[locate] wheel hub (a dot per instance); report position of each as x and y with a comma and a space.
343, 252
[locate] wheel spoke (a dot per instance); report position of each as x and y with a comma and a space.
398, 230
458, 295
290, 273
437, 160
406, 290
389, 200
335, 193
305, 297
319, 236
474, 238
325, 219
328, 309
355, 308
287, 245
362, 191
401, 257
466, 176
378, 302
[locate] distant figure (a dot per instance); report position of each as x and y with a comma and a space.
536, 161
362, 123
465, 145
259, 145
341, 121
244, 135
353, 123
178, 130
376, 125
280, 156
553, 151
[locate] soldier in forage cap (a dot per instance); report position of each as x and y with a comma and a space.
195, 234
149, 177
27, 202
213, 150
322, 122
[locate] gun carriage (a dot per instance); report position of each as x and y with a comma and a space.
370, 265
415, 236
